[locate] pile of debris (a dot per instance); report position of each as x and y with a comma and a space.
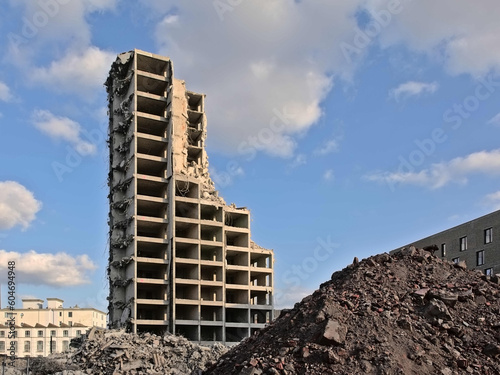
117, 352
406, 313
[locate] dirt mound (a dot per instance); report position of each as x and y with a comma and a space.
407, 313
117, 352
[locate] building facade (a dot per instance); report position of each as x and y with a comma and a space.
476, 242
181, 260
41, 331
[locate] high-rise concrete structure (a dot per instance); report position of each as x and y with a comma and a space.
180, 259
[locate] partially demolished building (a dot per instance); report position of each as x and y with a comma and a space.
180, 259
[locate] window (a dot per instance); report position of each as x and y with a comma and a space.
53, 346
70, 314
53, 333
65, 333
65, 345
488, 271
488, 235
27, 346
27, 333
78, 333
480, 258
2, 333
60, 313
40, 333
463, 243
70, 323
443, 249
2, 346
39, 346
455, 260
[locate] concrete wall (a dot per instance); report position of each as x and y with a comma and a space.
474, 232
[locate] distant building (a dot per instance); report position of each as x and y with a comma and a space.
477, 242
39, 329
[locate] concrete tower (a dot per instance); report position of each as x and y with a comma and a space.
180, 259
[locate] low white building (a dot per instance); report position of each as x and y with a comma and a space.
40, 331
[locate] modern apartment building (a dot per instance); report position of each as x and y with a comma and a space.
40, 331
181, 260
477, 242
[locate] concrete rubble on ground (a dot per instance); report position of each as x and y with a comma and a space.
406, 313
117, 352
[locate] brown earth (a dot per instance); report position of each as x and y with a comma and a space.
407, 313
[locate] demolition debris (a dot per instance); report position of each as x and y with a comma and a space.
406, 313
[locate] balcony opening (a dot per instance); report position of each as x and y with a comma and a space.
184, 291
186, 250
151, 209
186, 312
151, 250
237, 239
151, 106
211, 313
187, 210
189, 332
151, 126
186, 230
237, 277
186, 271
237, 220
211, 273
211, 294
211, 253
237, 258
260, 316
152, 65
150, 188
209, 333
186, 189
195, 101
209, 233
237, 296
237, 315
152, 85
211, 213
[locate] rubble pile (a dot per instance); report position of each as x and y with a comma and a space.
406, 313
117, 352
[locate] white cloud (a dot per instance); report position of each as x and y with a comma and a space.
412, 88
262, 57
461, 34
493, 200
226, 177
495, 120
440, 174
299, 160
63, 128
332, 145
60, 270
285, 298
18, 205
5, 94
81, 72
328, 175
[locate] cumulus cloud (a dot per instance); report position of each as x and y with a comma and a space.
18, 205
5, 94
493, 200
440, 174
299, 160
412, 88
63, 128
60, 269
331, 145
79, 72
495, 120
458, 42
285, 298
258, 59
328, 175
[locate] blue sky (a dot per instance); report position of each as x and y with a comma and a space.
348, 127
